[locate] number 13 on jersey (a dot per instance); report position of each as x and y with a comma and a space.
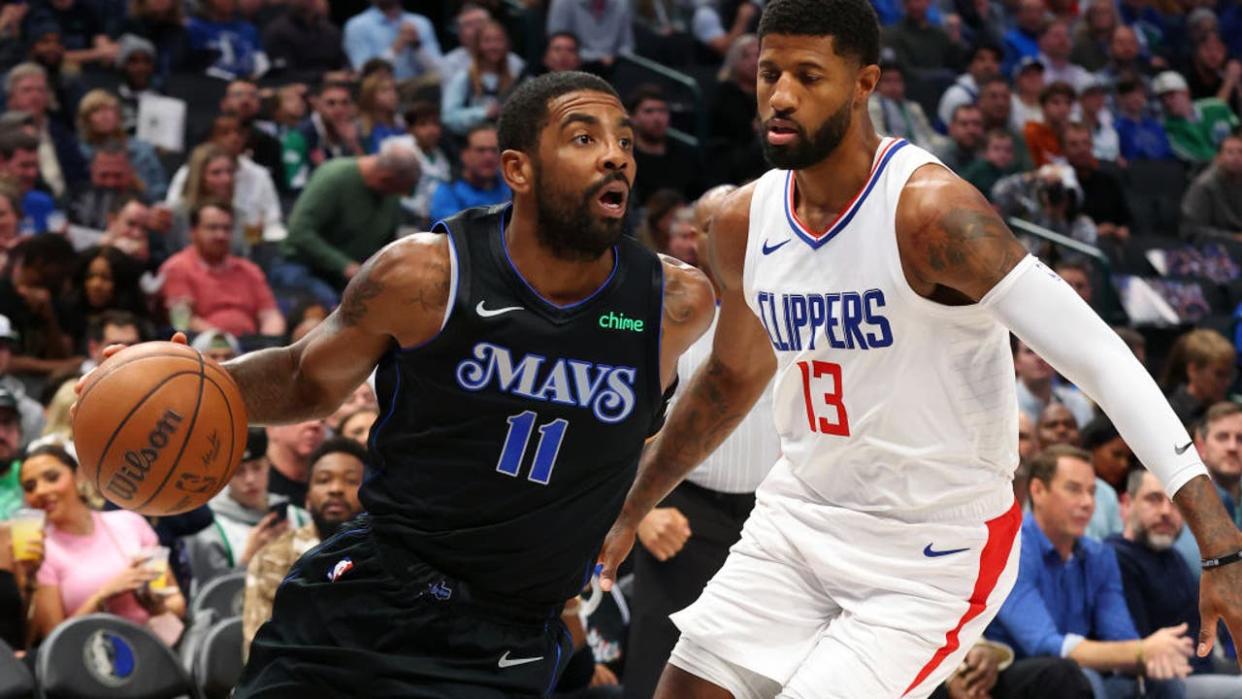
825, 409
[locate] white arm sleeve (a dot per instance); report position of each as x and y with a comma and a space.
1045, 313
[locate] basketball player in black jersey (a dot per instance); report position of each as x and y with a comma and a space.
523, 355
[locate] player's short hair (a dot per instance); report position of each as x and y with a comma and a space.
337, 445
852, 24
1044, 464
1058, 88
525, 112
1217, 412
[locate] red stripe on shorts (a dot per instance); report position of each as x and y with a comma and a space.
1002, 532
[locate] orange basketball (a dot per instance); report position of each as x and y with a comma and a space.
159, 429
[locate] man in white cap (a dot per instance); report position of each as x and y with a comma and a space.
1195, 128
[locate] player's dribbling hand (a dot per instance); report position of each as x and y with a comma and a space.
178, 337
663, 532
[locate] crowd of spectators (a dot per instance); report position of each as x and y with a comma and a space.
312, 133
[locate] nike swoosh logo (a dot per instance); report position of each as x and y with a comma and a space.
927, 551
1182, 449
485, 313
506, 661
769, 249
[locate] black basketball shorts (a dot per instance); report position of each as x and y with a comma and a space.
352, 621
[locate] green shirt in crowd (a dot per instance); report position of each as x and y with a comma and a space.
338, 220
1197, 141
11, 490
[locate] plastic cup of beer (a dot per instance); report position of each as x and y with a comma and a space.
156, 560
26, 528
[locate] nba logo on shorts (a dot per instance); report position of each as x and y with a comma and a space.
342, 567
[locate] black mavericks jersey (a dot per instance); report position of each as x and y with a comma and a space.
507, 443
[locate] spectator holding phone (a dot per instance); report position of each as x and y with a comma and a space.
247, 517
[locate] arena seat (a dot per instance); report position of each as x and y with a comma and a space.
1153, 190
102, 656
218, 662
16, 682
222, 595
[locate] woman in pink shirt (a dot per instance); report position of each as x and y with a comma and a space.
92, 560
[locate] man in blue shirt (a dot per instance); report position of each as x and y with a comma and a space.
1160, 591
1023, 39
480, 183
1141, 137
404, 39
19, 161
1068, 600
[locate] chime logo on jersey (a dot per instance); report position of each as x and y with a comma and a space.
840, 320
608, 391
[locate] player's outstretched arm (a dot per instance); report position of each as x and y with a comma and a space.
717, 397
952, 241
398, 296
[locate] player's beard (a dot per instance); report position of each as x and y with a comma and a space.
807, 151
567, 226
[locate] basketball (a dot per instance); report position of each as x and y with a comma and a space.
159, 429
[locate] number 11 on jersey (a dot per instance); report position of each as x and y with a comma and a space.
818, 372
550, 436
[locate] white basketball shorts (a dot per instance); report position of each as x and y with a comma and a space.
820, 602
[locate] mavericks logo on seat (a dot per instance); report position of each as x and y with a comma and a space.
109, 658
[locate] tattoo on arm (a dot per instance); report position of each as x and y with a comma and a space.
677, 307
354, 305
972, 243
1200, 504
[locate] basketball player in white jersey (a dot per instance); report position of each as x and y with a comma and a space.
878, 289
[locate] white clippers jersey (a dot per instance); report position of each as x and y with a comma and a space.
885, 402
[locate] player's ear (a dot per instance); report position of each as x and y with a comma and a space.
868, 78
518, 171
